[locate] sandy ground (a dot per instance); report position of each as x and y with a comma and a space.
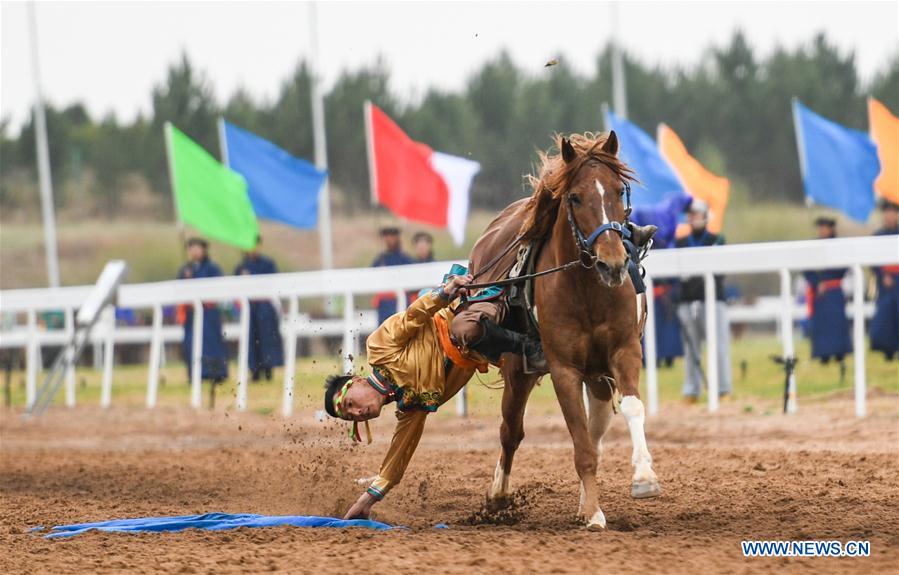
821, 474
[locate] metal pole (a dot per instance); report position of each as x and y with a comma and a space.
649, 342
786, 333
196, 357
43, 158
155, 352
321, 144
108, 358
243, 353
349, 335
711, 319
70, 359
858, 338
619, 87
370, 153
223, 143
290, 355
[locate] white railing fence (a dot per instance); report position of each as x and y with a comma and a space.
348, 284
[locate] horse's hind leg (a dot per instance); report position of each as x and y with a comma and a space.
599, 405
517, 389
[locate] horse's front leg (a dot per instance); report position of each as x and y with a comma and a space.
626, 368
568, 383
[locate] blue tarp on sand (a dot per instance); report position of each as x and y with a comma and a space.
212, 522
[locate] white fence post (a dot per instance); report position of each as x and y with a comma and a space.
155, 353
349, 337
108, 357
649, 342
401, 300
858, 338
786, 334
711, 339
243, 353
196, 363
462, 402
290, 356
31, 359
70, 366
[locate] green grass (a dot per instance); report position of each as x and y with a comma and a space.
762, 383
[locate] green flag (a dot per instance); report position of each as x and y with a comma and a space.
209, 196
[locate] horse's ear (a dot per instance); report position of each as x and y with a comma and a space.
568, 153
611, 144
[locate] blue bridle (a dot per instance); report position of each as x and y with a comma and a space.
585, 243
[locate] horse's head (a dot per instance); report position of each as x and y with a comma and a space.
597, 202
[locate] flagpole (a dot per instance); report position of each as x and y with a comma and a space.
167, 133
43, 158
800, 146
619, 86
223, 143
604, 110
321, 146
370, 152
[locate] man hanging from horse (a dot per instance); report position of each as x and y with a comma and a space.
422, 357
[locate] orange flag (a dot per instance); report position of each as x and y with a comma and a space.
884, 128
700, 182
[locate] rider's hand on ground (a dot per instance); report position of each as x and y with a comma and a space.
361, 509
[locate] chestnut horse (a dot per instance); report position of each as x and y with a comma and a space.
590, 317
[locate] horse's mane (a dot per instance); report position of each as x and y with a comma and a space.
554, 177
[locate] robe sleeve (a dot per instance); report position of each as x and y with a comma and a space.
409, 427
418, 315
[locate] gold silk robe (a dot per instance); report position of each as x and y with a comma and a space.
406, 349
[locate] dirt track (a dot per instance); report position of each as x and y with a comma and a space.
818, 475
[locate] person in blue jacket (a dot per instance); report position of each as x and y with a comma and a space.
393, 255
266, 349
828, 324
885, 323
214, 362
666, 293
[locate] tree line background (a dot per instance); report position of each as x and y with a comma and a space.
732, 110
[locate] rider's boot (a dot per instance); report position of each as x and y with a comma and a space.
641, 234
498, 340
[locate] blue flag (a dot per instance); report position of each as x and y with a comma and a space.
838, 165
638, 150
281, 187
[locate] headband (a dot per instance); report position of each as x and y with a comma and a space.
338, 409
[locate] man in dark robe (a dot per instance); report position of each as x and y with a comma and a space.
392, 255
266, 348
214, 362
885, 323
828, 324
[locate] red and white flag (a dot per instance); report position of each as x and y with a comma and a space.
414, 181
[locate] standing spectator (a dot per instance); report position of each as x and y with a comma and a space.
669, 344
828, 325
423, 246
392, 255
885, 323
266, 348
691, 311
214, 363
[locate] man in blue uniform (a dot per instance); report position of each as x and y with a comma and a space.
828, 324
266, 347
885, 323
214, 363
666, 292
392, 255
691, 311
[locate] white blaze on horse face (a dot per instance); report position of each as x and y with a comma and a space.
602, 201
632, 410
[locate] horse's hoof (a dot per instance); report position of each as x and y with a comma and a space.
597, 522
645, 489
497, 503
